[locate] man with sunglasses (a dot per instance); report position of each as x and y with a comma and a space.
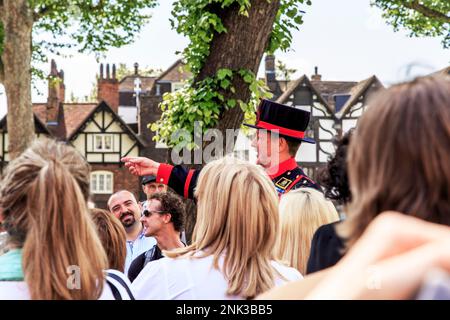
163, 219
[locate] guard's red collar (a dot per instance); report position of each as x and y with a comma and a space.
289, 164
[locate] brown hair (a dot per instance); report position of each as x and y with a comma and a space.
113, 237
43, 196
171, 203
293, 145
399, 156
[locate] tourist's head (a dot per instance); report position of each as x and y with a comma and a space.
124, 206
302, 212
334, 177
43, 196
113, 237
164, 213
399, 156
237, 215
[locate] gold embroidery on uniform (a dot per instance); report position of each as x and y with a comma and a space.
283, 183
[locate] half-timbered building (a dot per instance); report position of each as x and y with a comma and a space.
335, 107
94, 129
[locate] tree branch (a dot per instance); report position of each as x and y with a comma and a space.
426, 11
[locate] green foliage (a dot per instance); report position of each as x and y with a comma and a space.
87, 26
100, 24
420, 18
195, 19
289, 17
204, 103
283, 71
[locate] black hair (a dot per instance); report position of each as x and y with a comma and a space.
334, 178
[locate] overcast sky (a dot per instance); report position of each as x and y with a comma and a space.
346, 39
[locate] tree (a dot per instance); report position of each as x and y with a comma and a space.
88, 26
421, 18
227, 41
283, 71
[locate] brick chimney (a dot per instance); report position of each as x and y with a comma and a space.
316, 76
108, 87
271, 80
270, 68
56, 92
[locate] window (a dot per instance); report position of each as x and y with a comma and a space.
177, 86
102, 182
303, 96
103, 142
340, 100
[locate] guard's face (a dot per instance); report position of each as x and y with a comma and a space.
266, 147
124, 206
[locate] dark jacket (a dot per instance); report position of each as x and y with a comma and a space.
326, 248
141, 261
183, 181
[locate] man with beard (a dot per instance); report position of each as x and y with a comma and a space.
280, 131
124, 206
164, 220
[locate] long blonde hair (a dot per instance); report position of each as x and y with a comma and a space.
302, 212
237, 215
113, 237
43, 196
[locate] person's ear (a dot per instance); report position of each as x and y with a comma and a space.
282, 144
167, 218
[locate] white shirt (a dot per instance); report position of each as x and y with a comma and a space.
137, 247
191, 279
18, 290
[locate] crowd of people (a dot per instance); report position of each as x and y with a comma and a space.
374, 225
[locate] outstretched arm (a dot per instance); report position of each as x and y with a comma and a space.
180, 179
141, 166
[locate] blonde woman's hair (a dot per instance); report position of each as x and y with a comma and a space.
43, 196
237, 215
302, 212
113, 237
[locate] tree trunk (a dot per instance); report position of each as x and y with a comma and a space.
17, 21
241, 47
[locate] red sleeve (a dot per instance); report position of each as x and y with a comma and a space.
188, 182
164, 172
